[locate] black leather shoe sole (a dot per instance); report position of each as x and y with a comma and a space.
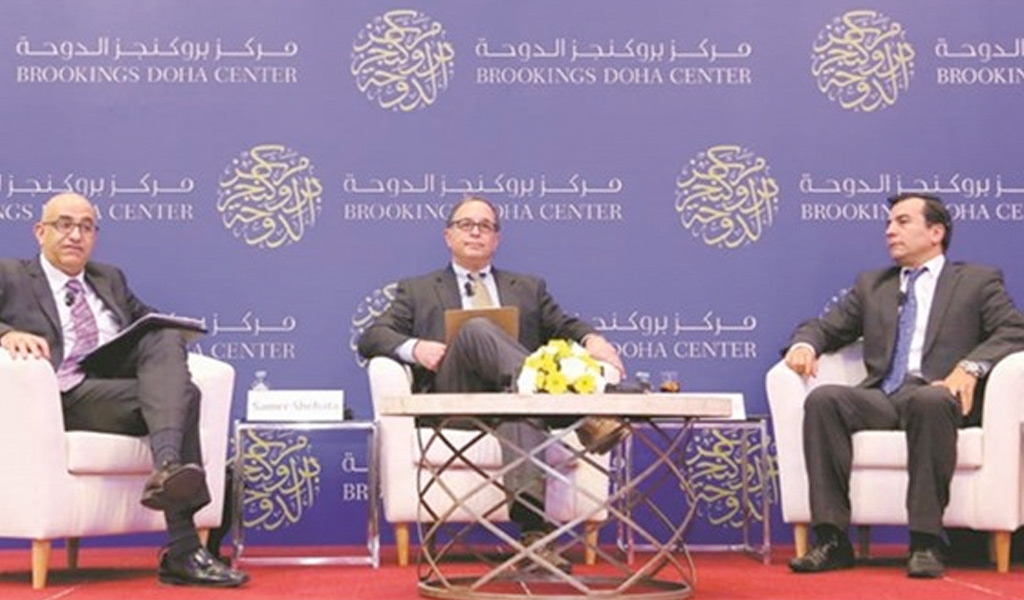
170, 579
180, 484
797, 567
199, 569
820, 560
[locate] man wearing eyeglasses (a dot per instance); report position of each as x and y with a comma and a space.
482, 357
60, 305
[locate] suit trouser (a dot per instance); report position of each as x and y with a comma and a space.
147, 390
929, 414
483, 358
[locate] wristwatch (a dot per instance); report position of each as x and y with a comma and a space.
973, 368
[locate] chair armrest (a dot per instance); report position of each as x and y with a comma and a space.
388, 377
1002, 415
216, 381
32, 426
786, 394
31, 417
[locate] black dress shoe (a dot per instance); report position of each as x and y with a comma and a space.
925, 564
830, 555
173, 485
198, 568
545, 554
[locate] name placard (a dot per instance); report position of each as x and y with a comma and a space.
295, 405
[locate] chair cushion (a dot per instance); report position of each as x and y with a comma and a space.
91, 453
888, 449
484, 453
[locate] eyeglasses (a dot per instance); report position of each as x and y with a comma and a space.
64, 226
467, 225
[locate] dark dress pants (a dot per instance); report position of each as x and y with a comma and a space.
149, 389
928, 414
483, 358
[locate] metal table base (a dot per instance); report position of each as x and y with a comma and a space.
514, 570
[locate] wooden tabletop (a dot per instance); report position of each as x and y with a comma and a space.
689, 404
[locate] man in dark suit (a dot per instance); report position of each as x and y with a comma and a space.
58, 306
932, 330
482, 358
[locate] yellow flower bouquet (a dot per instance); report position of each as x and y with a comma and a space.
560, 367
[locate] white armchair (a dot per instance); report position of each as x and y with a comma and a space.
986, 491
60, 484
400, 456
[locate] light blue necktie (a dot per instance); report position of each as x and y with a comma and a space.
904, 332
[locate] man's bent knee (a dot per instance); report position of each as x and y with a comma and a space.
929, 399
821, 398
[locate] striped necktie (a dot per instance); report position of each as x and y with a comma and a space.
87, 336
481, 297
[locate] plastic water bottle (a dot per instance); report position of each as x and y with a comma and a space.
643, 381
259, 384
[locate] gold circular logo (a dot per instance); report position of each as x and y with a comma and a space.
862, 61
402, 61
268, 196
726, 197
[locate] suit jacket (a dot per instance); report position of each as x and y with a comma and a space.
418, 312
972, 317
26, 301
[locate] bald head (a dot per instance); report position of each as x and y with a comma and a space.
67, 232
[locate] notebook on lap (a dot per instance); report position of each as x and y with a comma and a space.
506, 317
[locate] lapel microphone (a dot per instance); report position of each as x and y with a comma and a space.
69, 299
467, 286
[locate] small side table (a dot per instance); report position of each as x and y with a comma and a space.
754, 501
245, 430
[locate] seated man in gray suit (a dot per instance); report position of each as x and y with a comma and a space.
932, 331
482, 358
60, 305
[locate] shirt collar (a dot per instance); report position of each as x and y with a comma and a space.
463, 273
57, 278
933, 266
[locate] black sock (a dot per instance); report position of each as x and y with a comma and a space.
166, 446
181, 532
827, 532
528, 513
923, 541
